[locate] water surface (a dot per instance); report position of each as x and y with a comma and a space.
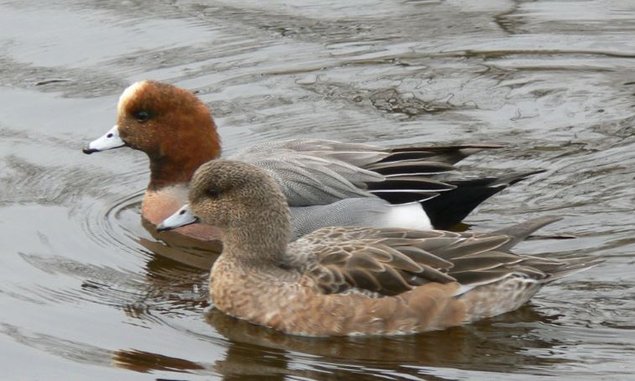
88, 293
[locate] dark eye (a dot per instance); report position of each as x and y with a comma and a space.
212, 192
141, 115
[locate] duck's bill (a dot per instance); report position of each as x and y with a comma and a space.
181, 217
109, 140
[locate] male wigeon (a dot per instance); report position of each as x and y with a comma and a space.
354, 280
326, 182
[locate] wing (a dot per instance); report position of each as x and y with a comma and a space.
312, 178
382, 261
319, 172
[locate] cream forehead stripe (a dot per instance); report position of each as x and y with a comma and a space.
129, 93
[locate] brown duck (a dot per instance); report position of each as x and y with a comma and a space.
354, 280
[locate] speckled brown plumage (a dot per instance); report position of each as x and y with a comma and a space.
355, 280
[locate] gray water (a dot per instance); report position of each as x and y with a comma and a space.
87, 293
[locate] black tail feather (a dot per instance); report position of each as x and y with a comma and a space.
451, 207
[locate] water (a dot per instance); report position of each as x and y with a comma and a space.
87, 293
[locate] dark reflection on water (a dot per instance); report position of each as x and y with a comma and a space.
478, 347
88, 293
254, 351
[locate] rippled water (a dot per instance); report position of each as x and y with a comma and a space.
87, 293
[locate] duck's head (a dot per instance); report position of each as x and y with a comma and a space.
235, 196
171, 125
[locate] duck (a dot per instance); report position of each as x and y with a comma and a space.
326, 182
347, 280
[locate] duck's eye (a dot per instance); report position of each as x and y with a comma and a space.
141, 115
212, 193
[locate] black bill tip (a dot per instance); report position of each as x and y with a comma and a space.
88, 150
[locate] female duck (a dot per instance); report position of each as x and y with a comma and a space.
353, 280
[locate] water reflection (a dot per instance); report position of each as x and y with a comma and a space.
145, 362
495, 346
501, 345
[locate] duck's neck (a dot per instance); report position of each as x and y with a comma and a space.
260, 240
178, 164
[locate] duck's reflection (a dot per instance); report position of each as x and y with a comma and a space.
180, 248
497, 345
145, 362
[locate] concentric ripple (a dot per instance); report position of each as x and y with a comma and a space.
115, 223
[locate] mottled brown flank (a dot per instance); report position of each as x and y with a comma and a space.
179, 136
294, 307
